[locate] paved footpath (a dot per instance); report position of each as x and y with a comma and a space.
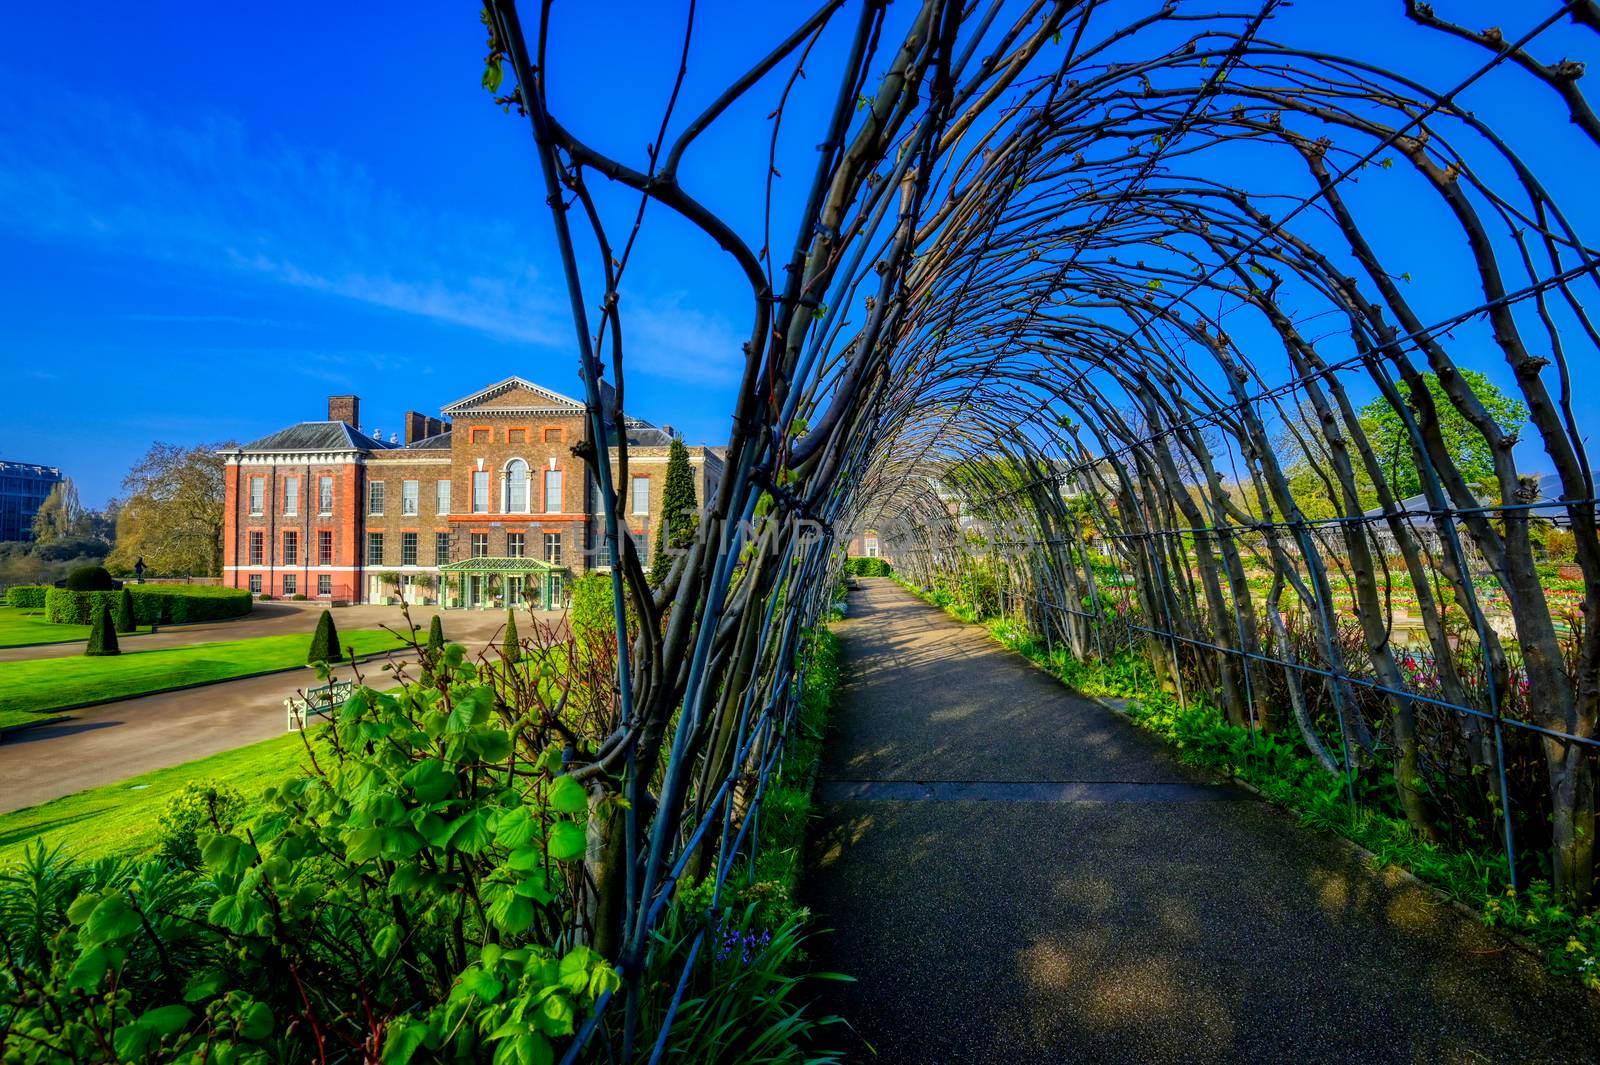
105, 744
1015, 874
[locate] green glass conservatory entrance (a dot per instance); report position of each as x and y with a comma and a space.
485, 583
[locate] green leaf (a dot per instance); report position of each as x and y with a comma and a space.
516, 828
430, 781
567, 796
471, 832
491, 746
567, 841
255, 1023
470, 710
482, 984
112, 919
165, 1020
404, 1038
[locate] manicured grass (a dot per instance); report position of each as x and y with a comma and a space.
41, 685
19, 627
120, 819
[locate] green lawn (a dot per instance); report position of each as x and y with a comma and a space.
120, 819
30, 688
19, 627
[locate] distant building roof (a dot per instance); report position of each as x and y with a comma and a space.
29, 468
1549, 493
318, 436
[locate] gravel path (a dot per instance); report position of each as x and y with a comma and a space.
1015, 874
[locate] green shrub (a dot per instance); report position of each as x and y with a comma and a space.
124, 617
172, 604
103, 635
511, 644
65, 607
200, 808
868, 567
298, 597
435, 638
90, 579
591, 617
325, 641
179, 604
27, 596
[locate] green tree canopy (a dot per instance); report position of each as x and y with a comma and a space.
173, 515
1466, 446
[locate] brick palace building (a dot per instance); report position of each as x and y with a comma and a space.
487, 506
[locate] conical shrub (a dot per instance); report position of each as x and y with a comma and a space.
435, 638
511, 645
325, 641
103, 634
125, 621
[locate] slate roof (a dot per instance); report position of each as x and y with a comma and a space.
439, 440
318, 436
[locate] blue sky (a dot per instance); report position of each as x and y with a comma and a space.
212, 216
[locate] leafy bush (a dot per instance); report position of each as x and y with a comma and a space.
407, 895
124, 618
90, 579
324, 642
199, 809
103, 634
27, 596
511, 643
591, 617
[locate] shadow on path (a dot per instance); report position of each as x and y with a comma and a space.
1075, 913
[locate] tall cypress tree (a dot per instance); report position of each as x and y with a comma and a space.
102, 633
435, 639
679, 520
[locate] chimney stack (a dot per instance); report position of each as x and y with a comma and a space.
416, 426
345, 409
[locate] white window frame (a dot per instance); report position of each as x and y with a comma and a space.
324, 585
375, 498
442, 496
552, 548
639, 495
480, 491
324, 495
554, 484
291, 496
513, 506
410, 497
258, 496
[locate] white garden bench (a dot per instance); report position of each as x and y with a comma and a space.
319, 701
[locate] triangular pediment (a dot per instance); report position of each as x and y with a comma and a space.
514, 395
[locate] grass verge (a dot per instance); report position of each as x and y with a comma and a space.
30, 688
119, 820
25, 628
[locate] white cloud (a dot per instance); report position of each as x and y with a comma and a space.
665, 338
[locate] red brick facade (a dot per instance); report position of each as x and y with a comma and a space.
499, 480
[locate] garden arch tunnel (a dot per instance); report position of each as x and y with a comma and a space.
1171, 336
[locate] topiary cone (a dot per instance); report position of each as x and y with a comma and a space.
435, 638
325, 641
125, 621
102, 634
511, 646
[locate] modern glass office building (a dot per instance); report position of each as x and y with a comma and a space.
24, 486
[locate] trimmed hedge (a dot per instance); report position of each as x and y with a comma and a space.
27, 596
153, 604
868, 567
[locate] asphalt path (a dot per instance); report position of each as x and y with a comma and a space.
1014, 873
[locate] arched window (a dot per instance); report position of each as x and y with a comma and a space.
517, 487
